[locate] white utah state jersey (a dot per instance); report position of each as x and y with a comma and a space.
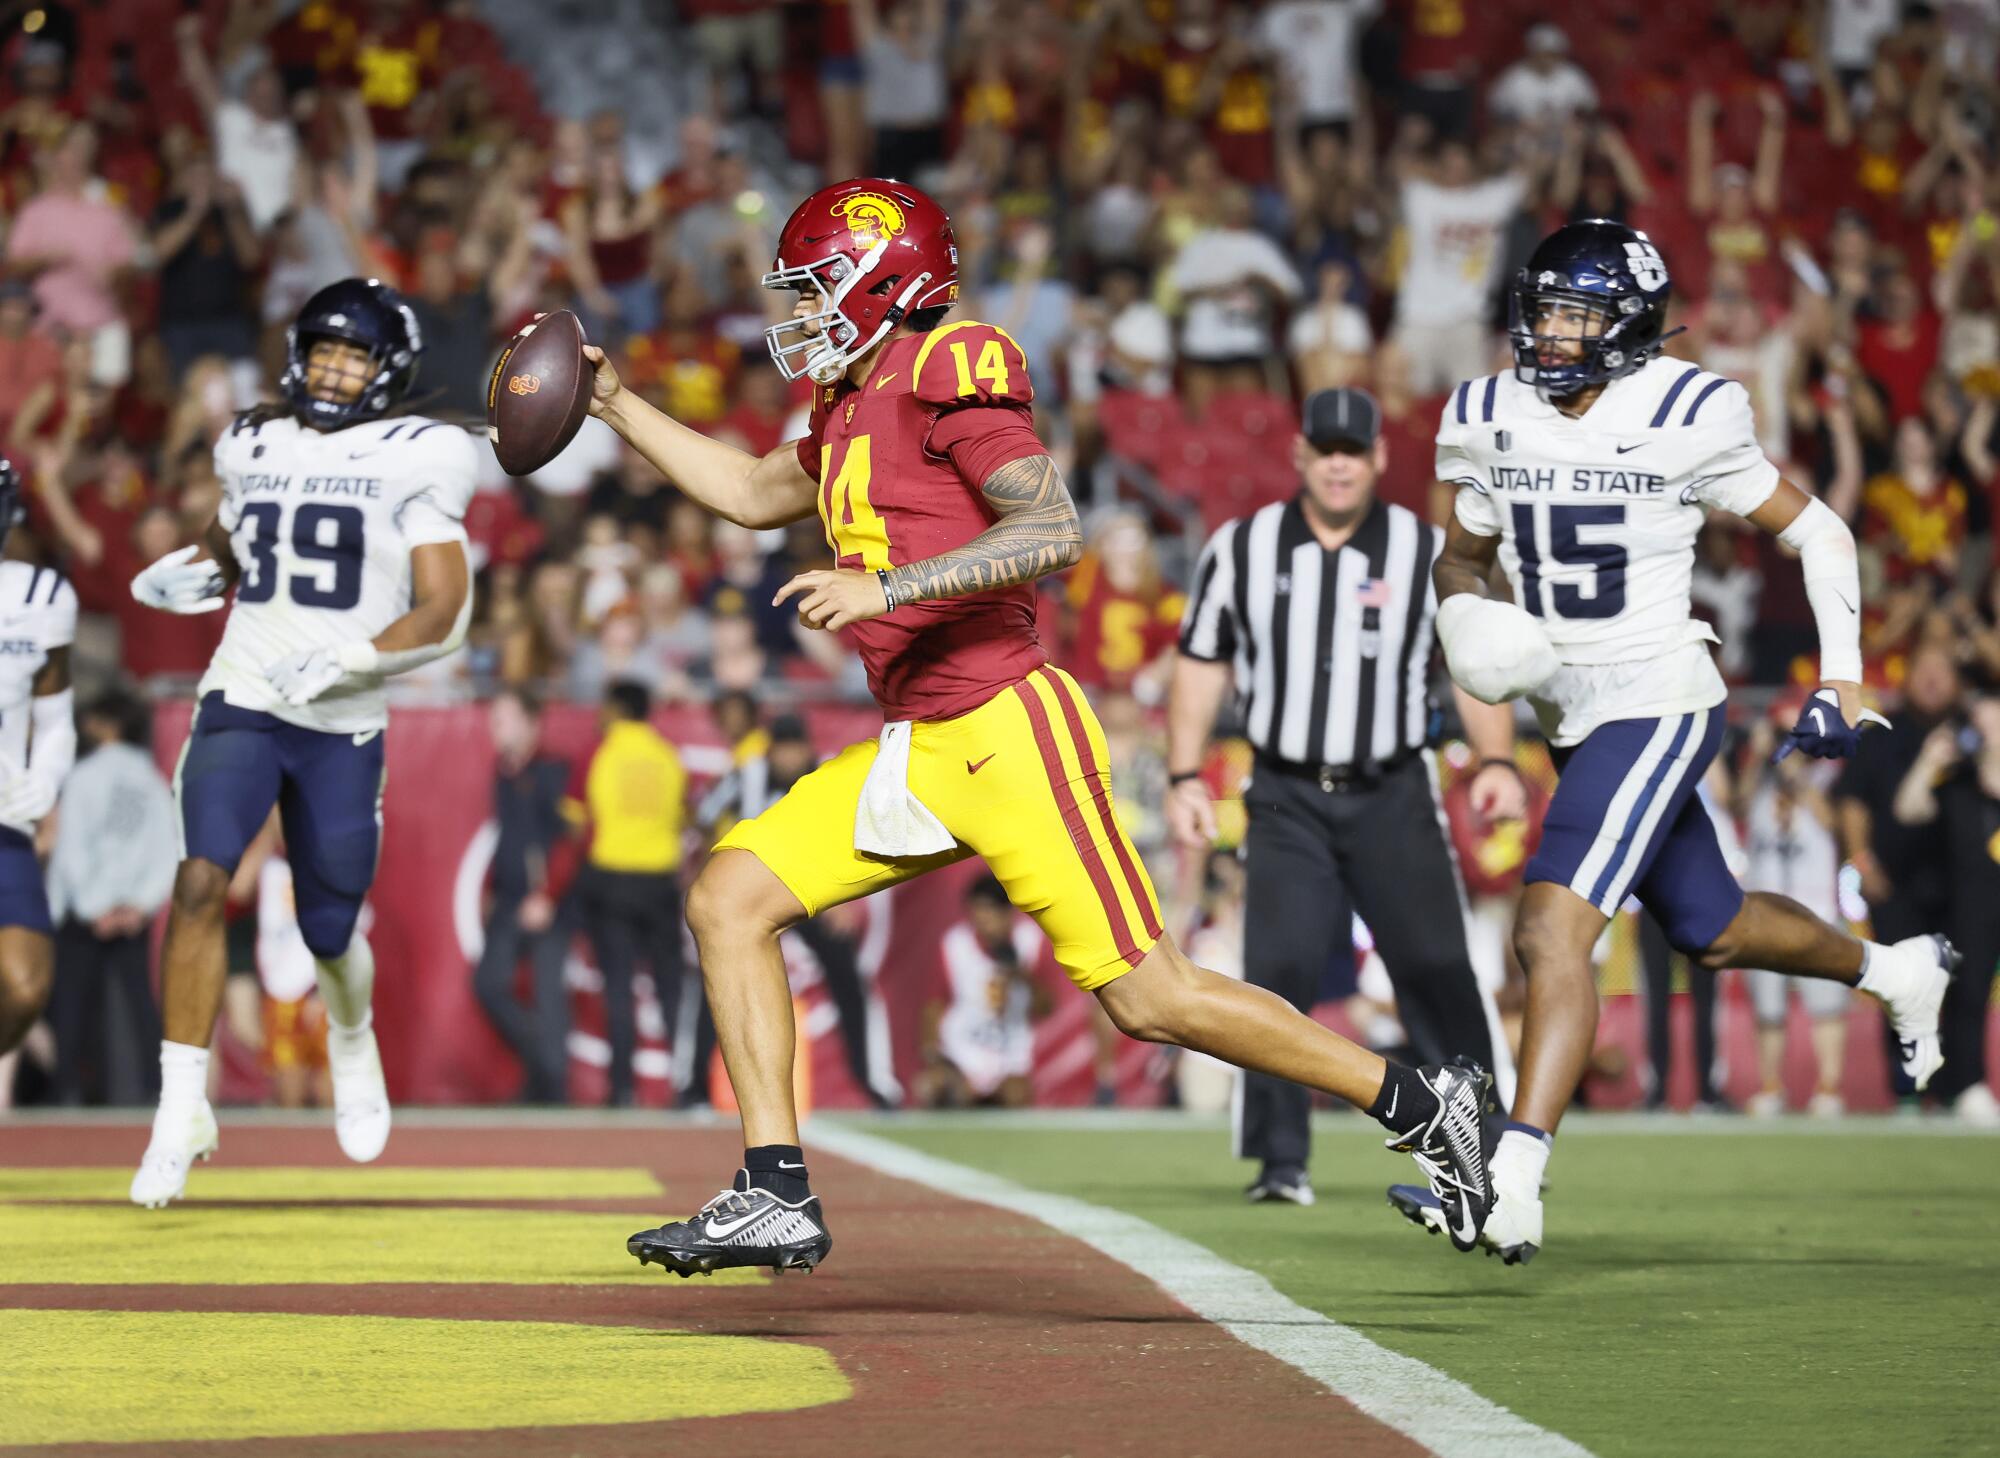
322, 526
37, 615
1597, 520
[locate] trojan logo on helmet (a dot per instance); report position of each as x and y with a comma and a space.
871, 217
871, 251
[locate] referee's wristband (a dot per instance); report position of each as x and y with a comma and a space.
1182, 778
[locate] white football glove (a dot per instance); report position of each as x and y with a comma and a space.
301, 677
26, 795
179, 584
1495, 651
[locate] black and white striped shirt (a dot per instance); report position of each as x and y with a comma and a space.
1332, 650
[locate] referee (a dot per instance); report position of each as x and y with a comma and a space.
1317, 611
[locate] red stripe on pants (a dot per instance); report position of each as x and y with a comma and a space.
1072, 814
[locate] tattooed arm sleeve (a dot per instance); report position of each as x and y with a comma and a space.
1037, 534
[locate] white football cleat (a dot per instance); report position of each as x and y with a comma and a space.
176, 1144
1912, 993
360, 1096
1514, 1229
1825, 1105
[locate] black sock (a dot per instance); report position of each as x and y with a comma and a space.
1405, 1101
779, 1168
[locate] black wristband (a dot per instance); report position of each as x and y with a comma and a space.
888, 597
1493, 759
1182, 778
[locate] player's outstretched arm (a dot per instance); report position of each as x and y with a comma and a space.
752, 491
1037, 533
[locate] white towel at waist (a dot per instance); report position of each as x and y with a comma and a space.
890, 820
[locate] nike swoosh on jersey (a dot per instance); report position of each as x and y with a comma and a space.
885, 379
364, 736
973, 769
1623, 449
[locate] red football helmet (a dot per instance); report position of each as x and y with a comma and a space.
874, 251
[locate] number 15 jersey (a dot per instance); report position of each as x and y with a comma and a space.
322, 526
1597, 519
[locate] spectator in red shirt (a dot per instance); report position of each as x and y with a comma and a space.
29, 362
1914, 513
395, 66
761, 411
684, 364
1123, 621
1737, 206
609, 226
1439, 61
1899, 348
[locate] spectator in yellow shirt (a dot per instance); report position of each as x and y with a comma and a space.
628, 803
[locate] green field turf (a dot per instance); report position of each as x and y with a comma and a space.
1712, 1293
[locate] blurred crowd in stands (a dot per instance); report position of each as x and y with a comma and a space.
1188, 212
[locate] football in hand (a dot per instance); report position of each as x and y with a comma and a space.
539, 394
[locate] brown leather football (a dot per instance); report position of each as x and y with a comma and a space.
539, 393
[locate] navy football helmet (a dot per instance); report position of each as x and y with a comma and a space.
13, 499
363, 311
1617, 275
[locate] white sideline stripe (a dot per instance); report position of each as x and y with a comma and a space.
1412, 1397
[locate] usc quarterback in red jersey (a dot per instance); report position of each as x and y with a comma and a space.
942, 507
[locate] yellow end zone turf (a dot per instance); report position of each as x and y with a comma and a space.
158, 1377
347, 1182
302, 1245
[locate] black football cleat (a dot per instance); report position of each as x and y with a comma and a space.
741, 1226
1455, 1145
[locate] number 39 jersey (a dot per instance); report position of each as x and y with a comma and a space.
322, 526
1597, 519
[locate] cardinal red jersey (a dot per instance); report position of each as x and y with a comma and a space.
900, 461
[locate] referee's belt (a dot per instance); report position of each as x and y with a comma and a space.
1335, 779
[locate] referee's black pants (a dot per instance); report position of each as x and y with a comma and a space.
1379, 849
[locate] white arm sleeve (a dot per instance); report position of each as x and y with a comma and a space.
1833, 587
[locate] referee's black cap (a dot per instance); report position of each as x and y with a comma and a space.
1344, 419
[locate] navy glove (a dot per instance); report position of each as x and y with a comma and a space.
1822, 732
